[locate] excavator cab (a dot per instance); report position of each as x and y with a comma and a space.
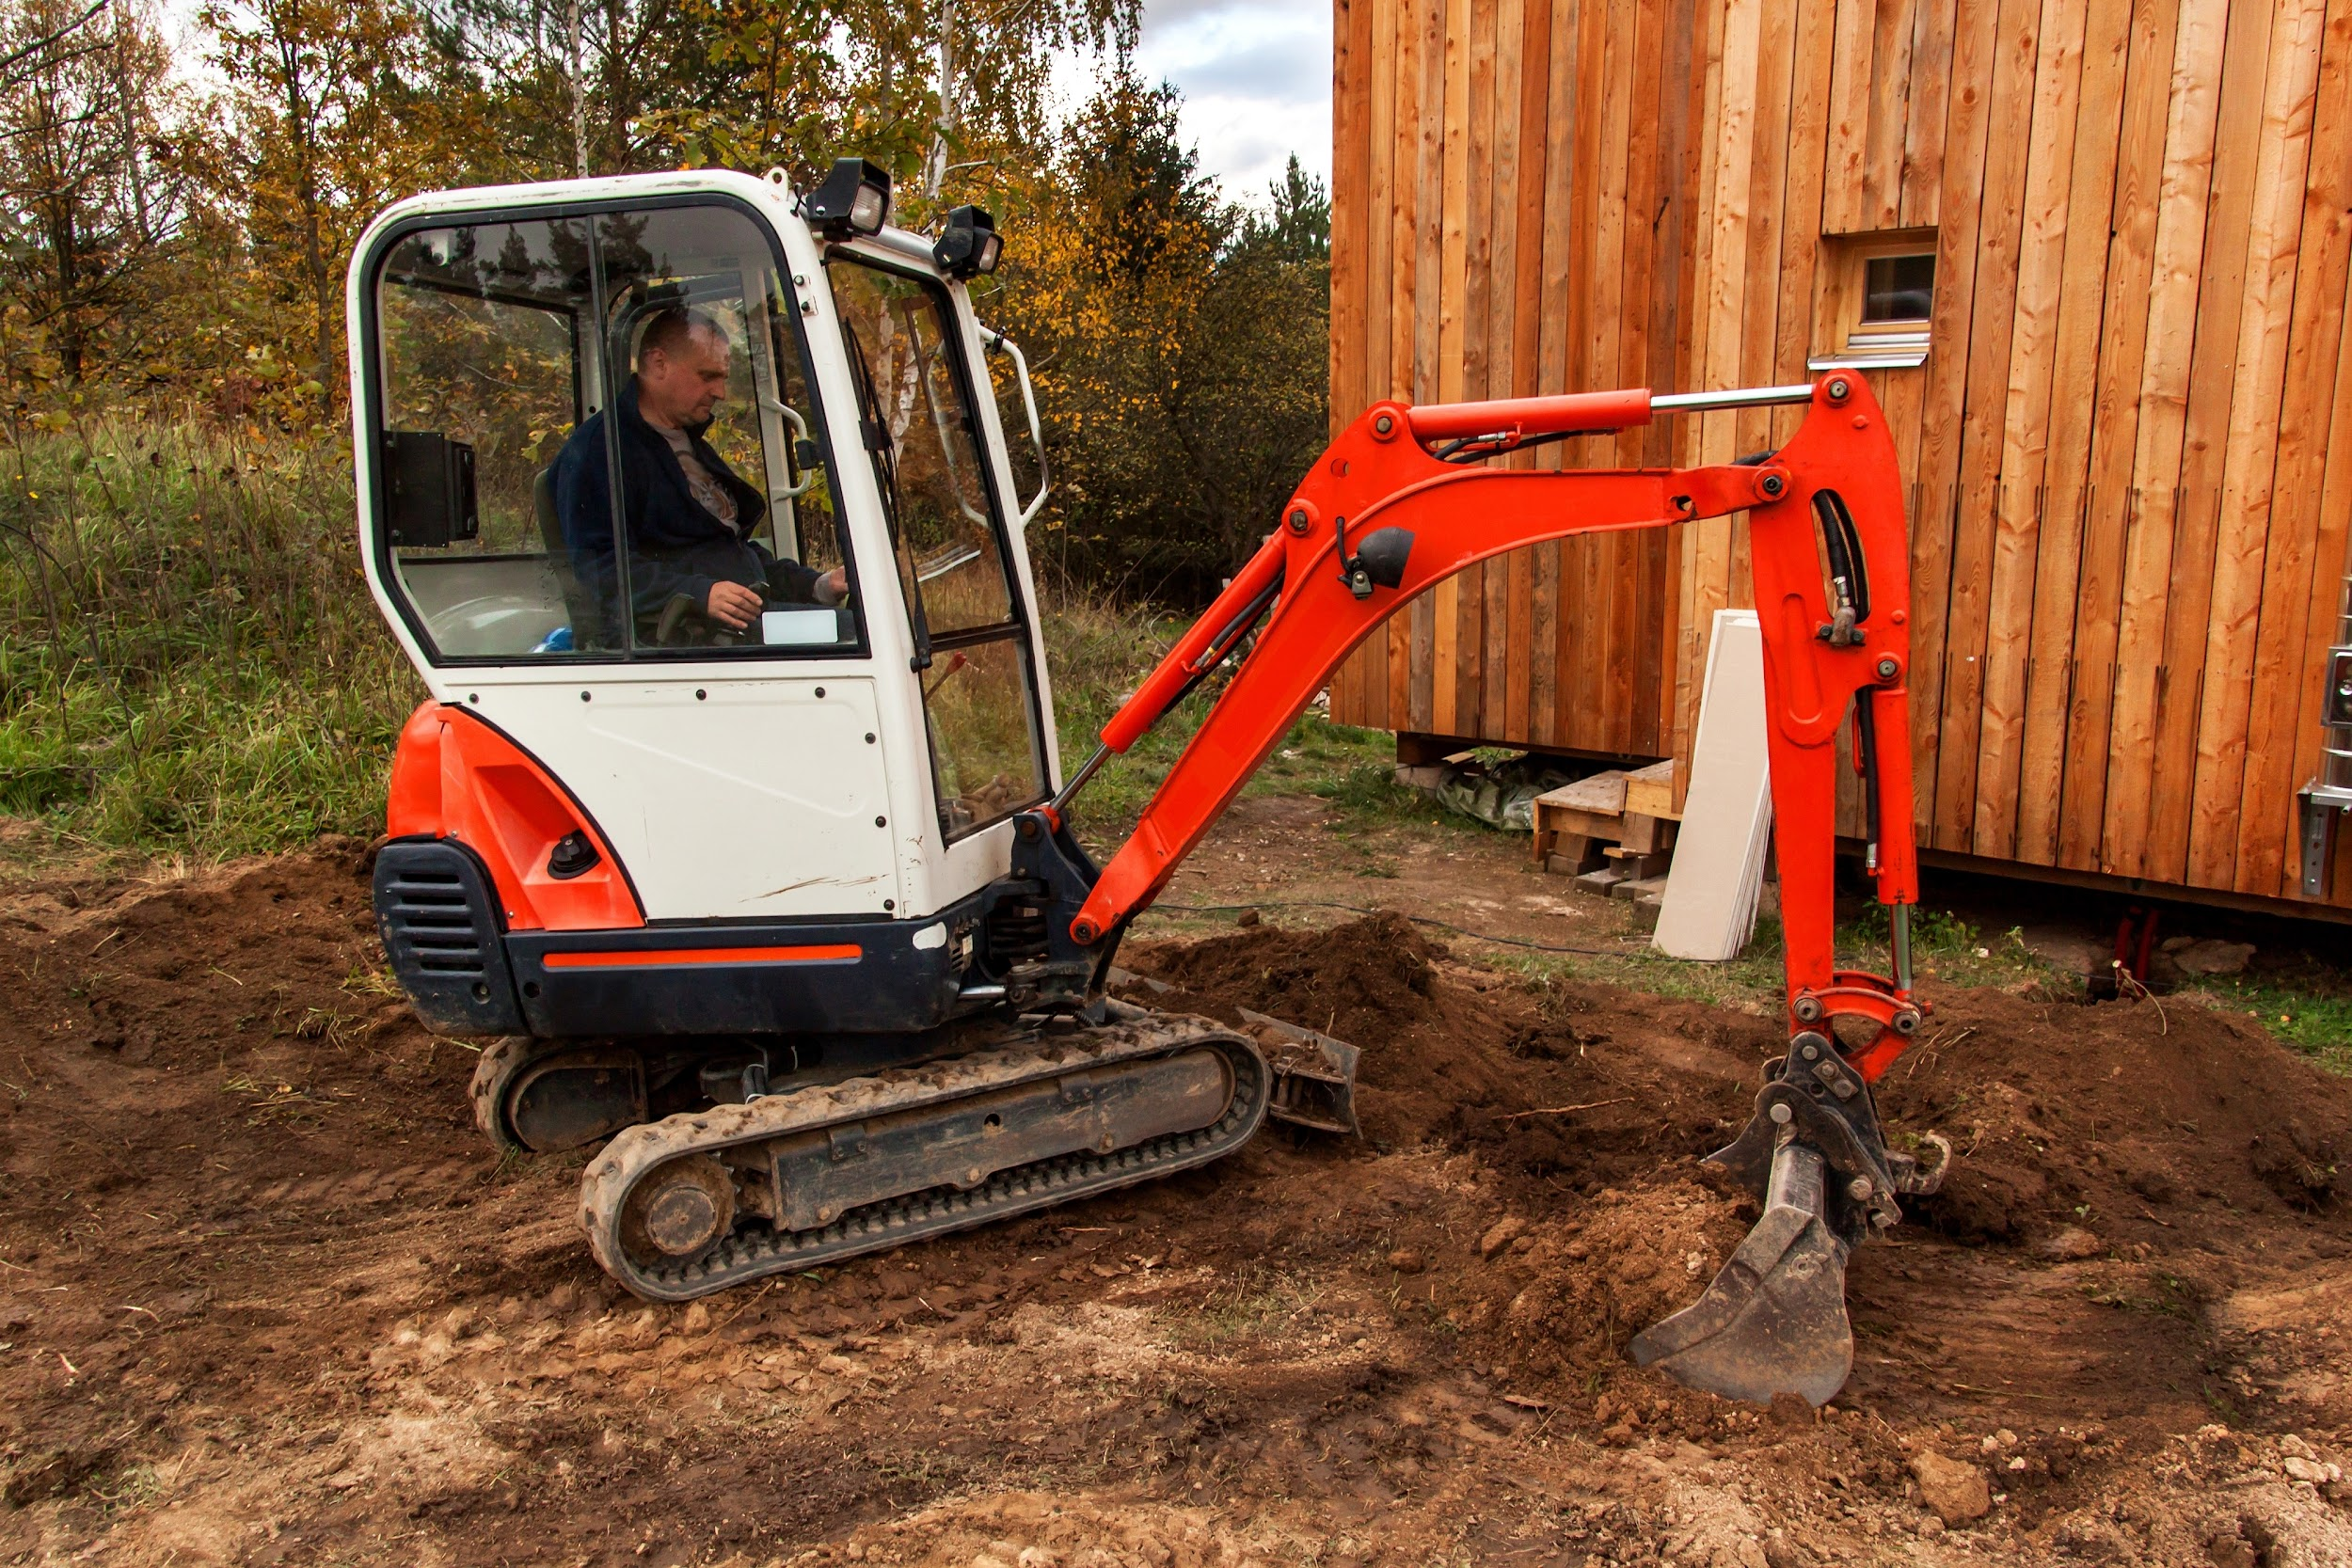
842, 760
734, 815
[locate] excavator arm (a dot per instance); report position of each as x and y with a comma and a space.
1402, 499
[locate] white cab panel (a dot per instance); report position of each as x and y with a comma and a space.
758, 798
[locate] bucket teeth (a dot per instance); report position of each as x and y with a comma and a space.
1773, 1319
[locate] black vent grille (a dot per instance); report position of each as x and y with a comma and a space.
430, 914
433, 908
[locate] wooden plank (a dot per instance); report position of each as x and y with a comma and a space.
1559, 325
2073, 396
2300, 581
1453, 253
1998, 231
2190, 124
2244, 75
2321, 611
1500, 338
1650, 791
1849, 118
2026, 425
2109, 500
1431, 155
1403, 149
1941, 427
2250, 451
1380, 198
1526, 301
1767, 224
1712, 540
1700, 558
1892, 32
1469, 586
1931, 98
1813, 59
1350, 20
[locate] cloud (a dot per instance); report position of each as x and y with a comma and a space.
1256, 79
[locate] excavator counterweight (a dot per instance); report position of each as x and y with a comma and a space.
735, 812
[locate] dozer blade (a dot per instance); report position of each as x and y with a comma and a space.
1315, 1075
1773, 1320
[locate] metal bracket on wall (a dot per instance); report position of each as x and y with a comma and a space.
2322, 804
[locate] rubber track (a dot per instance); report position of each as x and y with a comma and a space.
492, 1075
755, 1249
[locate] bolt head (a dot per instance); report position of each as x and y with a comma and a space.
1298, 520
1781, 1114
1888, 669
1773, 485
1384, 424
1859, 1189
1840, 390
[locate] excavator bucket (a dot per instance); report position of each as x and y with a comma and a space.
1774, 1320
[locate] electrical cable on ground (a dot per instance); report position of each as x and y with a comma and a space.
1415, 919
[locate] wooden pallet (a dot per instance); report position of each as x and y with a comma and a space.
1609, 829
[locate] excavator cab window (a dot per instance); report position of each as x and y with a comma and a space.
946, 527
524, 498
712, 267
479, 331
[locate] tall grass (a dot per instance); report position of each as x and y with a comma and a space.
191, 663
189, 658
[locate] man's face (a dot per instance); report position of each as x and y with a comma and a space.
681, 385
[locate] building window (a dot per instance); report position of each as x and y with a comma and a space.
1877, 299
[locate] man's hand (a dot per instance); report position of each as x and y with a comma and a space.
833, 587
731, 604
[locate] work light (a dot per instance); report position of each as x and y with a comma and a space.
853, 199
969, 245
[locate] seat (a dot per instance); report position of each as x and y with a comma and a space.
577, 604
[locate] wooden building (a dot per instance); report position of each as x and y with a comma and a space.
2125, 415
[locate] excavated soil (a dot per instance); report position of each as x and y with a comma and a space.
266, 1296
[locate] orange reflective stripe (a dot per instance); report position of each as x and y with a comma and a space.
648, 957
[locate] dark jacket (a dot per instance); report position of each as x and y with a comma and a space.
677, 545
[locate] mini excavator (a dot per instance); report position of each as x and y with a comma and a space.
780, 913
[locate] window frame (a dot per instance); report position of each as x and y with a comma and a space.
1019, 625
1892, 345
590, 333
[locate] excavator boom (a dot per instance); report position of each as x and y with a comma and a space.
1405, 498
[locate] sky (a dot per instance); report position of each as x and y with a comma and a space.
1256, 76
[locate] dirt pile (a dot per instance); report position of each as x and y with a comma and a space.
2118, 1119
1569, 1088
1566, 1296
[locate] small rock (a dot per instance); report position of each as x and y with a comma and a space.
1406, 1260
2069, 1245
2213, 957
1751, 1555
1500, 1234
1038, 1557
1791, 1411
2304, 1469
1249, 917
697, 1318
1956, 1490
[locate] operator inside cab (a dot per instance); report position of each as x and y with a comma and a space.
694, 570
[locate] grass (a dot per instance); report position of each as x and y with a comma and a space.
189, 660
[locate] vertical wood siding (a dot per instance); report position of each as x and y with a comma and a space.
2129, 454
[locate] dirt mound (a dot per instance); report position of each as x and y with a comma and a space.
1372, 976
1570, 1297
2117, 1120
1582, 1086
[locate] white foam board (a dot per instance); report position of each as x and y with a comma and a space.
1717, 872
